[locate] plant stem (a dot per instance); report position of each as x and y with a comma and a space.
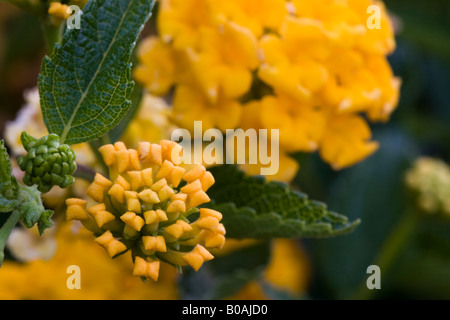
5, 231
84, 172
390, 250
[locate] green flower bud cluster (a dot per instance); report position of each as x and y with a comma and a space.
47, 163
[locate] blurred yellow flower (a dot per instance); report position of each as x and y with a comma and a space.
160, 60
256, 15
101, 278
346, 141
224, 113
322, 68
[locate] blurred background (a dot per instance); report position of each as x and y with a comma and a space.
373, 190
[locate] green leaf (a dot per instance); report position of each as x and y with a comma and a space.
255, 208
85, 85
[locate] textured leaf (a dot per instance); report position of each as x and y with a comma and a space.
255, 208
85, 85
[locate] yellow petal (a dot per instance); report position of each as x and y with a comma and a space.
346, 142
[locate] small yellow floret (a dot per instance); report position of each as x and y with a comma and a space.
165, 193
112, 246
153, 216
177, 229
123, 182
159, 184
197, 256
212, 239
208, 218
149, 196
176, 206
143, 149
192, 187
108, 154
98, 187
133, 220
167, 146
179, 196
157, 243
133, 203
195, 173
76, 209
123, 160
117, 192
134, 159
141, 179
120, 146
165, 169
175, 176
197, 199
207, 180
143, 268
100, 214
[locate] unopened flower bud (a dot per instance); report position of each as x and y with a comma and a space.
47, 163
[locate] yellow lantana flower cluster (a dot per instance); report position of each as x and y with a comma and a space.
142, 207
312, 69
101, 279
